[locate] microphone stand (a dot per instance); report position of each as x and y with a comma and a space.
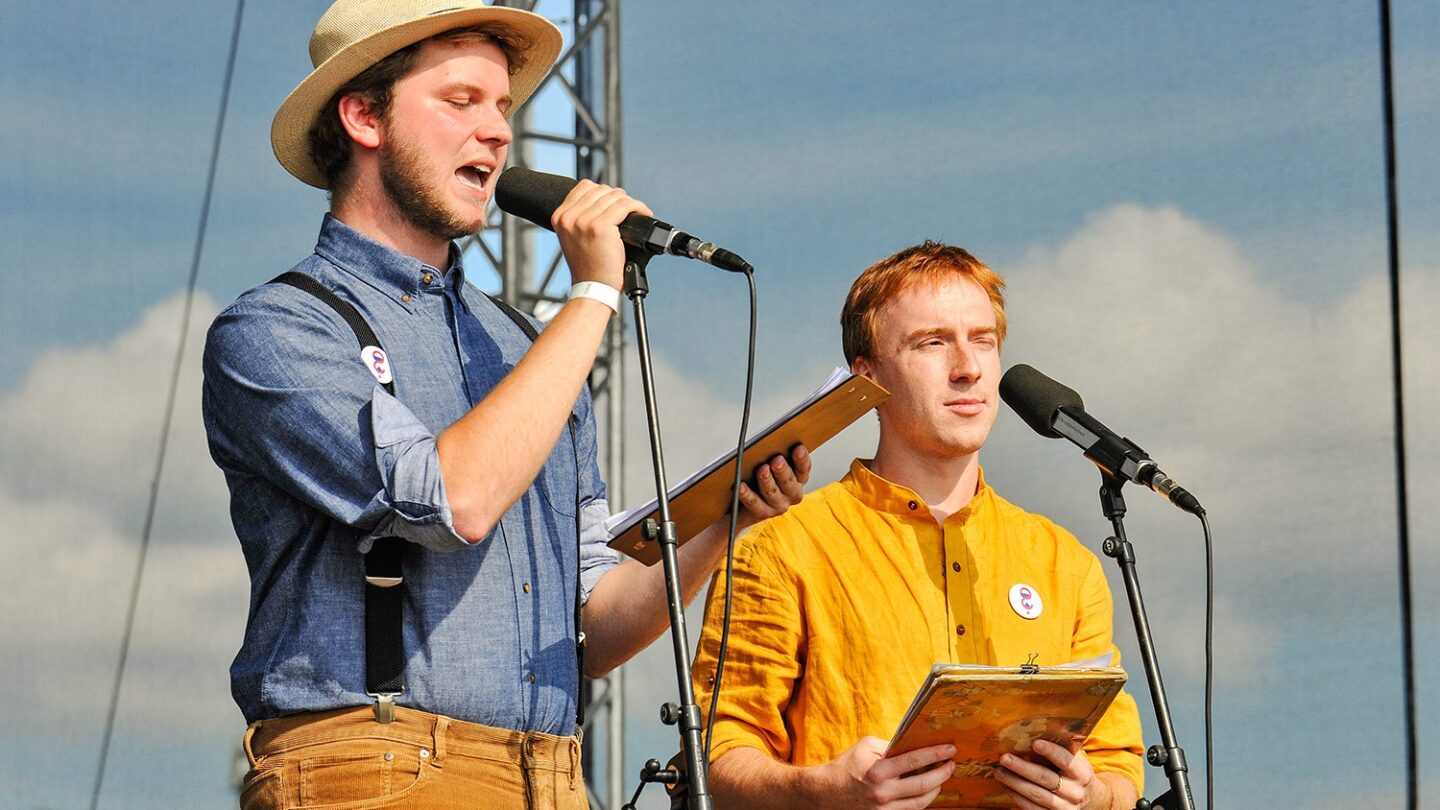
1169, 755
697, 793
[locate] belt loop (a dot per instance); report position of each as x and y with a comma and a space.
527, 768
442, 730
574, 760
246, 743
527, 750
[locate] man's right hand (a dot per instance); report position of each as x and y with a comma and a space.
588, 225
862, 776
491, 455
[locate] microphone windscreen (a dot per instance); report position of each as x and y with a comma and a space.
531, 195
1036, 398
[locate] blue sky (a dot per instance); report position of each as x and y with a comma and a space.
1187, 200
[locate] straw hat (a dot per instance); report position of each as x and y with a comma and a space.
355, 34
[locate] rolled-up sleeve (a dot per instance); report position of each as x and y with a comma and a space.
285, 407
596, 556
763, 663
409, 468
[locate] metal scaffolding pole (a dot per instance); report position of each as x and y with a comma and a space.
572, 125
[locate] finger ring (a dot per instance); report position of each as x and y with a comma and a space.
1058, 781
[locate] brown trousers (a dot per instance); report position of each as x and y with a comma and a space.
345, 760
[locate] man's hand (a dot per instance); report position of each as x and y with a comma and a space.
779, 485
862, 776
1067, 782
588, 225
491, 455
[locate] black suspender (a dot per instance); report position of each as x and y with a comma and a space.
384, 567
384, 563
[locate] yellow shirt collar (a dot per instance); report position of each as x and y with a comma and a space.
884, 495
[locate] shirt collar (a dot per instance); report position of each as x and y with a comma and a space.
886, 496
398, 275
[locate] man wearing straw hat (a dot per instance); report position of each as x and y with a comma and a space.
372, 406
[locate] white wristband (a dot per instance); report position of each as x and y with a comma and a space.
594, 290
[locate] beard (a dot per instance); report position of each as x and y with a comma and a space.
403, 176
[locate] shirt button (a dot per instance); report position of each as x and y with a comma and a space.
913, 505
525, 587
405, 298
426, 279
959, 629
955, 566
531, 676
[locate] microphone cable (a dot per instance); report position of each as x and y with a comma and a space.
1209, 663
734, 517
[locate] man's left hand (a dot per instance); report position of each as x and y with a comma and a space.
777, 485
1065, 782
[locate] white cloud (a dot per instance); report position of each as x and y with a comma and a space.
85, 423
82, 432
1274, 409
1277, 411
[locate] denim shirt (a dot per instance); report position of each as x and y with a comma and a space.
321, 460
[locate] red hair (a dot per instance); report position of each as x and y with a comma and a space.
931, 262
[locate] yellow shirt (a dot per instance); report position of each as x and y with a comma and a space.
842, 605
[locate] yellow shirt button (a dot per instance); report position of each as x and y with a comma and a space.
405, 298
955, 566
525, 587
959, 629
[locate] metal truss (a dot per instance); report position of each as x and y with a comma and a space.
572, 126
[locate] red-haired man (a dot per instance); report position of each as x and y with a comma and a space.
842, 604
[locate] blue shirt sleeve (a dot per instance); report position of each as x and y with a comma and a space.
596, 557
409, 467
287, 400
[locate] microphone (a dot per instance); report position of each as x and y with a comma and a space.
1055, 411
535, 195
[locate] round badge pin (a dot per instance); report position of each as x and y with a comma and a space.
374, 359
1026, 601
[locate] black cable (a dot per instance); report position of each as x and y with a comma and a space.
169, 413
734, 518
1209, 664
1392, 233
